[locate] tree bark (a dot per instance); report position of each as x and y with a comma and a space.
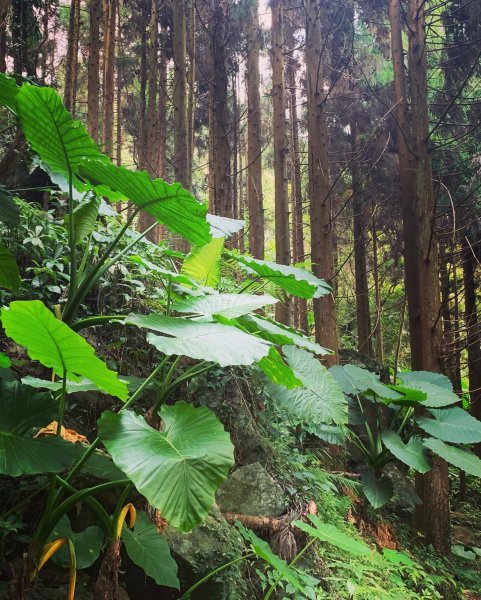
71, 66
363, 314
420, 246
4, 10
254, 131
181, 137
320, 198
109, 78
280, 149
93, 68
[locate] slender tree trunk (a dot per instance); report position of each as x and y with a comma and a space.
254, 135
319, 187
152, 106
142, 143
280, 148
191, 45
119, 94
109, 78
377, 294
420, 247
298, 252
71, 65
363, 314
4, 10
181, 132
473, 336
162, 116
93, 68
221, 152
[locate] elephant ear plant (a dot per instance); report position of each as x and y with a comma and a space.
179, 463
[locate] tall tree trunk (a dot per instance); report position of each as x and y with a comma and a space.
222, 185
118, 146
93, 68
191, 48
109, 78
142, 142
181, 133
420, 246
298, 252
320, 199
280, 148
363, 314
254, 139
162, 116
71, 65
152, 106
473, 337
4, 10
378, 332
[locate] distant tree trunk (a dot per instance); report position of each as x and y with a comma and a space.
181, 132
152, 106
473, 335
93, 68
25, 36
298, 252
191, 46
319, 187
254, 131
221, 153
109, 78
162, 115
71, 65
142, 142
119, 94
377, 293
420, 247
4, 10
280, 148
363, 314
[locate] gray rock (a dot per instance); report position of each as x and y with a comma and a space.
205, 548
252, 491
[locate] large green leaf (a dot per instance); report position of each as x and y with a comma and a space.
276, 369
149, 550
8, 92
320, 400
87, 544
178, 469
377, 491
21, 409
71, 386
202, 264
9, 211
435, 396
84, 218
438, 379
9, 274
52, 342
170, 204
355, 380
214, 342
411, 454
452, 425
467, 461
332, 434
222, 226
333, 535
229, 306
165, 274
279, 334
61, 142
263, 551
293, 280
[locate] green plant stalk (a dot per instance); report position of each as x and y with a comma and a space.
91, 449
61, 410
85, 256
164, 395
45, 528
407, 415
71, 238
94, 321
196, 585
291, 564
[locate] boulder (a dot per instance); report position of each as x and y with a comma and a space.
250, 490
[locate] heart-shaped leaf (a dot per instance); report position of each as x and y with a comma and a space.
178, 469
467, 461
202, 264
87, 544
378, 491
229, 306
411, 454
452, 425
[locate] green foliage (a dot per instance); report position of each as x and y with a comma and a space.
452, 425
21, 410
202, 264
56, 346
9, 274
148, 549
411, 454
179, 469
88, 544
332, 535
